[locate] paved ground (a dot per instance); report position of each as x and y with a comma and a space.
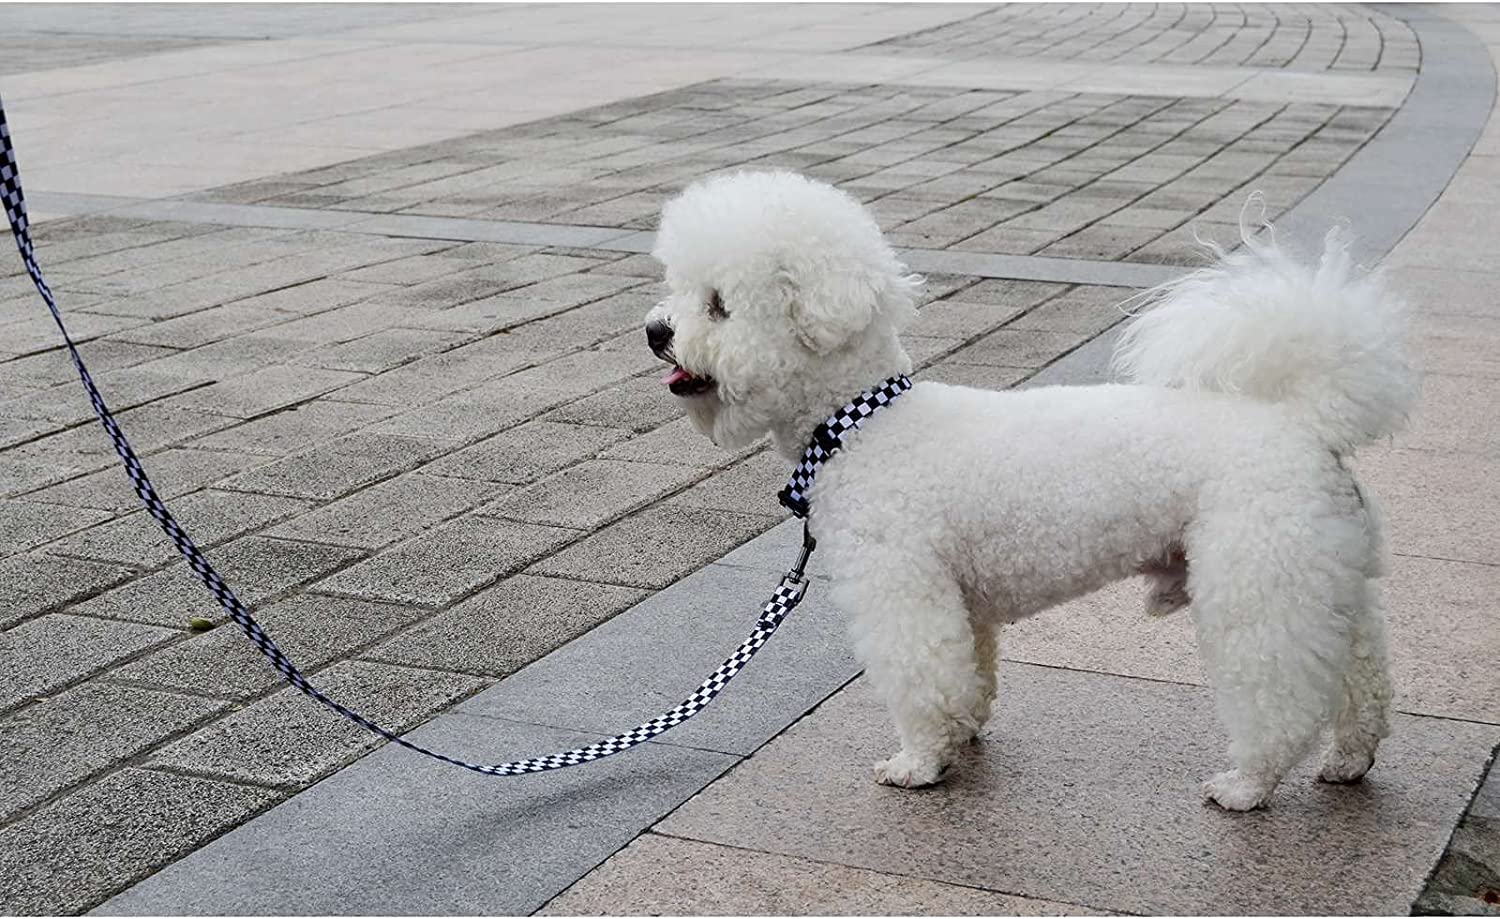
367, 290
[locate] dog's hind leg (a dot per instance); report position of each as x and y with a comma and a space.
1273, 621
1362, 719
986, 668
922, 655
1167, 583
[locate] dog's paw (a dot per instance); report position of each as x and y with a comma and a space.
1234, 792
1166, 602
906, 770
1342, 767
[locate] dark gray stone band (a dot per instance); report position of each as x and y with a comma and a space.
1390, 183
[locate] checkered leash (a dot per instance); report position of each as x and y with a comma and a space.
788, 592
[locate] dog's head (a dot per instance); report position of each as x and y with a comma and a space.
781, 291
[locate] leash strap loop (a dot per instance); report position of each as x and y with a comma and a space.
788, 593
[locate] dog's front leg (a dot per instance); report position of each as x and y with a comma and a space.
920, 652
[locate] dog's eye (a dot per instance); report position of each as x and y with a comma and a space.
716, 308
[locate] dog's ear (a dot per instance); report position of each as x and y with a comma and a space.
832, 312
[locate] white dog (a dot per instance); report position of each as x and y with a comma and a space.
1219, 473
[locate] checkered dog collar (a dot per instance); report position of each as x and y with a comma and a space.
828, 439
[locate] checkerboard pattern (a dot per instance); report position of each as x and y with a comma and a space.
828, 438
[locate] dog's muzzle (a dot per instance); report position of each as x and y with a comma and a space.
679, 381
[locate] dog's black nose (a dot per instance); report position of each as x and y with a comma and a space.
658, 336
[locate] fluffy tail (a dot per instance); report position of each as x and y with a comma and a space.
1323, 340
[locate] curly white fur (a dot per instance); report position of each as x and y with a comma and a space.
1320, 339
1218, 474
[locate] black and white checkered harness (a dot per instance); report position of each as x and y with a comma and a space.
829, 436
788, 593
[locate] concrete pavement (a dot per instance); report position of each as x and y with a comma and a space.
366, 290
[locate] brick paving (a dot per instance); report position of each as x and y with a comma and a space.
1069, 175
382, 441
1295, 36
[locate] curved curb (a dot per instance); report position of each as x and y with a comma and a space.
1386, 187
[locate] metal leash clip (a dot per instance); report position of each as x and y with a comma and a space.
808, 545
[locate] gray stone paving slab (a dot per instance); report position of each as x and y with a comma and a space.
773, 550
337, 467
438, 841
571, 290
430, 378
655, 547
636, 405
53, 368
449, 561
664, 876
293, 429
506, 626
39, 333
211, 517
485, 230
1045, 807
316, 296
472, 415
150, 427
618, 676
613, 488
388, 512
263, 391
1427, 494
526, 452
1033, 268
38, 583
334, 327
65, 739
1466, 880
289, 740
257, 567
203, 327
1010, 347
232, 357
1087, 365
63, 649
981, 377
80, 849
1090, 310
128, 388
312, 630
24, 524
235, 215
958, 318
381, 350
19, 430
676, 442
749, 486
174, 471
572, 376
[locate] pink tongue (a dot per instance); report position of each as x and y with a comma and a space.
676, 376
